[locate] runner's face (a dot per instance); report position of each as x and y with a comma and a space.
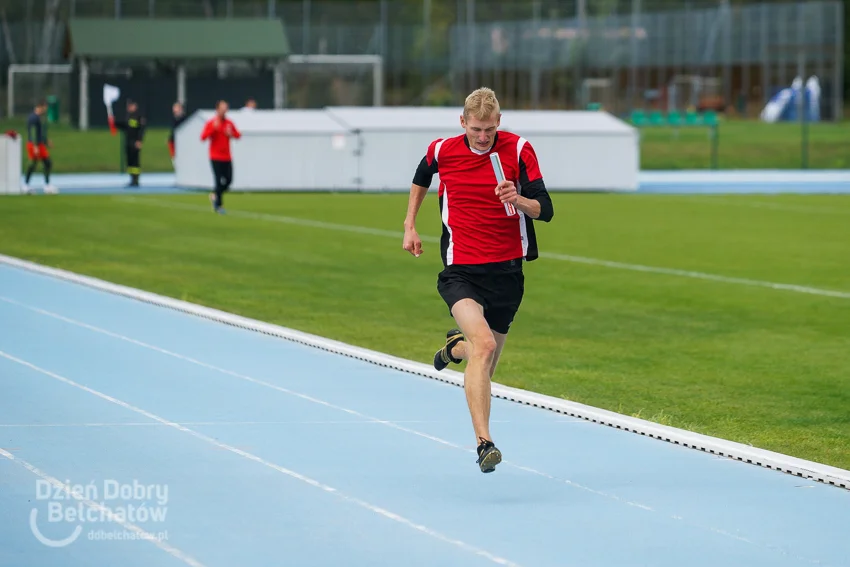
480, 133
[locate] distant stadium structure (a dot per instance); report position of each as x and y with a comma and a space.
378, 149
159, 61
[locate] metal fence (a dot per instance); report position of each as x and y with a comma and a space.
624, 54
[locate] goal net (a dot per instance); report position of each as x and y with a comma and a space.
686, 91
597, 94
316, 81
27, 84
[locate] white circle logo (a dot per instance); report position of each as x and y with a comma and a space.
52, 542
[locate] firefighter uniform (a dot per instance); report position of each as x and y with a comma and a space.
134, 132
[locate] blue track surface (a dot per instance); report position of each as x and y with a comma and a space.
275, 453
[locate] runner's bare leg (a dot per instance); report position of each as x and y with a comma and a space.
459, 351
480, 346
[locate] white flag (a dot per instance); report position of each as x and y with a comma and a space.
110, 95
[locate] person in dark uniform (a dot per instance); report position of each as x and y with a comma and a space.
134, 133
37, 144
179, 116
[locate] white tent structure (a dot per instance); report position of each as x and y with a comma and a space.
10, 165
279, 150
580, 150
394, 140
577, 150
378, 148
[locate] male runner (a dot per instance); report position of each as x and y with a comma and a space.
219, 130
37, 143
487, 233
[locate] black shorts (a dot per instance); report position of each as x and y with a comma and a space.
498, 288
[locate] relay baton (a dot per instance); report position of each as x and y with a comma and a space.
500, 176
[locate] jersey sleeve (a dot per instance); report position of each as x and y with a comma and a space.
531, 182
236, 133
207, 131
528, 164
427, 168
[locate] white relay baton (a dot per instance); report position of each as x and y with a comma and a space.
500, 176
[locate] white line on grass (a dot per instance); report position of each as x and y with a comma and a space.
551, 255
391, 424
756, 204
105, 511
288, 472
698, 275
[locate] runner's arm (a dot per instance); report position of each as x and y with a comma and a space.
535, 200
425, 172
419, 189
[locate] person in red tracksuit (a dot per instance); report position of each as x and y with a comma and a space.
219, 130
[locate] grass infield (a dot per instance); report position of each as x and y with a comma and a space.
742, 145
751, 364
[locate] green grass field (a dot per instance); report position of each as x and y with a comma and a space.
753, 364
743, 145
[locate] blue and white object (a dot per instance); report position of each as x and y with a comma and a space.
782, 107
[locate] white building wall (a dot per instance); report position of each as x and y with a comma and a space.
378, 148
10, 165
278, 150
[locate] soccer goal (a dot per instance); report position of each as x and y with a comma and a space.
27, 84
598, 94
316, 81
686, 91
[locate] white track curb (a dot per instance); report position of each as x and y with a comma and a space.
768, 459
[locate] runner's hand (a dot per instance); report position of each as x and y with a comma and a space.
412, 242
506, 191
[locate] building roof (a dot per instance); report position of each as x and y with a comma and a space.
150, 38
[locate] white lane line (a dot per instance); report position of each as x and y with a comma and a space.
288, 472
550, 255
103, 510
391, 424
195, 423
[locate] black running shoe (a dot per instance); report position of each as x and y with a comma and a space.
443, 357
488, 456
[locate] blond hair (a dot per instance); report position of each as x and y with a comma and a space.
481, 104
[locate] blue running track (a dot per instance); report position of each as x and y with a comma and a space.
262, 452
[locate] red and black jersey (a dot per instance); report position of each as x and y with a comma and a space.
477, 227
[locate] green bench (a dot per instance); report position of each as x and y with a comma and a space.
675, 119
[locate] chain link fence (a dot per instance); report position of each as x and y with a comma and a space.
730, 56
